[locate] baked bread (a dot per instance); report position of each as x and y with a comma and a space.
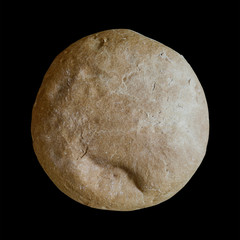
120, 121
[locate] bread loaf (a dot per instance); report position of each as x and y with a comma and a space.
120, 121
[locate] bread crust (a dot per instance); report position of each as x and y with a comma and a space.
120, 121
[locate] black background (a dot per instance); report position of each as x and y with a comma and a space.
204, 33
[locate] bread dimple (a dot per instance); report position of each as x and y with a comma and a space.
120, 121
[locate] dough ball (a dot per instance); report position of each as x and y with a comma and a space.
120, 121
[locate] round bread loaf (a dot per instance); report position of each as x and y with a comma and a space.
120, 121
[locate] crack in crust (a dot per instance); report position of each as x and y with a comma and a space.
132, 176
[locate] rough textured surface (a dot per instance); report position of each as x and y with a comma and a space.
120, 121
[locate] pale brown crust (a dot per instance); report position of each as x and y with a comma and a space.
120, 121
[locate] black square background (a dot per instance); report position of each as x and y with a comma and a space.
205, 34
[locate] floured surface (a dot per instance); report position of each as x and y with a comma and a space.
120, 121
